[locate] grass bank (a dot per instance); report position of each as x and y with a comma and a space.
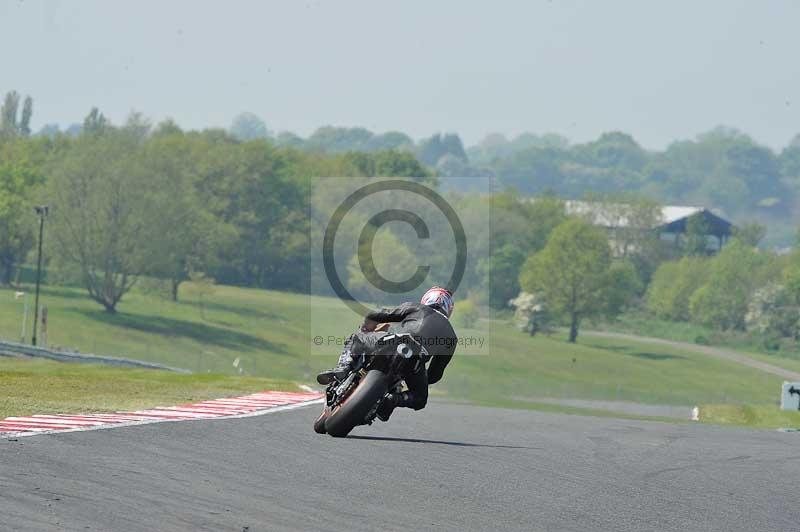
756, 416
259, 333
784, 353
603, 369
41, 386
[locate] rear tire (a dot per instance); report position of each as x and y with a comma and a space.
352, 412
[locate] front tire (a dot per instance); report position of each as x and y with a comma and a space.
355, 408
319, 424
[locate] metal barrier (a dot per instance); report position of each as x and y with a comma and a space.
14, 349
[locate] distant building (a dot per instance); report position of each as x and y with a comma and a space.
676, 219
671, 223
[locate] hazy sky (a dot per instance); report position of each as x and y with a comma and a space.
658, 70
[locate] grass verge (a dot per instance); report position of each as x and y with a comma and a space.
42, 386
756, 416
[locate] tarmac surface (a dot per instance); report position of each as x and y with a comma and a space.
449, 467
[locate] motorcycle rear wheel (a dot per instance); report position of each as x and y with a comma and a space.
354, 409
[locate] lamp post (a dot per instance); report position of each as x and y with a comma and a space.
41, 211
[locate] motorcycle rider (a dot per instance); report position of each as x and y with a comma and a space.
429, 323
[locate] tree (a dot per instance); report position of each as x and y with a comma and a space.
496, 146
791, 272
186, 234
451, 166
673, 285
789, 161
533, 170
530, 314
391, 140
434, 148
166, 128
49, 130
288, 139
392, 260
20, 175
387, 164
773, 312
721, 302
696, 237
467, 315
632, 221
503, 270
95, 123
622, 282
571, 272
12, 123
519, 227
750, 234
25, 119
613, 150
248, 126
259, 193
99, 221
329, 139
8, 114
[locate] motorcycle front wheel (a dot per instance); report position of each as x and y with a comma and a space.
319, 424
352, 412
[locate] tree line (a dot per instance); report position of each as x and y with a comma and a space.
141, 202
723, 169
136, 201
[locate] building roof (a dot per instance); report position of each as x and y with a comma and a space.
715, 225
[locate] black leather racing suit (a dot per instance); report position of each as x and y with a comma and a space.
430, 328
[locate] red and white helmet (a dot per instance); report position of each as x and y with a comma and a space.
440, 298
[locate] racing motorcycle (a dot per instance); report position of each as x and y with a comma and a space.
354, 399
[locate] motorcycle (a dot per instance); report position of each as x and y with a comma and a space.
356, 398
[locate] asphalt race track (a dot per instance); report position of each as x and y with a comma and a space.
448, 467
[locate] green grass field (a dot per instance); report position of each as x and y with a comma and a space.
758, 416
269, 333
266, 331
596, 368
40, 386
785, 353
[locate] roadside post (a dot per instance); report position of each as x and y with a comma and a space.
790, 396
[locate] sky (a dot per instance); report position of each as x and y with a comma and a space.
660, 71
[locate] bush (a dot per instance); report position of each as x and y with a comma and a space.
723, 299
623, 284
531, 315
673, 285
701, 340
772, 312
466, 313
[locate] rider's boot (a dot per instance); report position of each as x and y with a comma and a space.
341, 370
392, 401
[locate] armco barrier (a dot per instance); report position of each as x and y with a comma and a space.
14, 349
